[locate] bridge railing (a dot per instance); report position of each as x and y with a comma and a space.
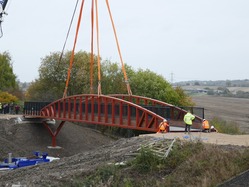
34, 109
172, 112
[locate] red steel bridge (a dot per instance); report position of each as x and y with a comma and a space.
118, 110
124, 111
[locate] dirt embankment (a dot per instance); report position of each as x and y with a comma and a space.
24, 139
83, 150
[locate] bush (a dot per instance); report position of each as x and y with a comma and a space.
5, 97
225, 127
103, 175
146, 161
181, 152
207, 167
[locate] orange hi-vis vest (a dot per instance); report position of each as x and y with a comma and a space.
205, 124
163, 126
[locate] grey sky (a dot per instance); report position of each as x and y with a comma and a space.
193, 39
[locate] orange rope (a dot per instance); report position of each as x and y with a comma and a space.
72, 55
92, 56
97, 28
119, 51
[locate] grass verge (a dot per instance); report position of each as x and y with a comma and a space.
188, 164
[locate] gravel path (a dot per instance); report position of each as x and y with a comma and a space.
214, 138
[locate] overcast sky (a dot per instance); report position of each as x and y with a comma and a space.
189, 39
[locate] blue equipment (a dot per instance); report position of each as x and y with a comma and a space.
18, 162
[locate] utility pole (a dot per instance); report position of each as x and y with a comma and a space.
171, 77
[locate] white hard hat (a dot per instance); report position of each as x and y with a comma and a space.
212, 127
164, 120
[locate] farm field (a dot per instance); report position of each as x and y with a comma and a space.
231, 89
227, 108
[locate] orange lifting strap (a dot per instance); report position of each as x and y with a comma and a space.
119, 51
92, 56
92, 42
97, 28
72, 55
92, 47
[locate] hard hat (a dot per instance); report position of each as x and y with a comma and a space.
204, 120
212, 127
164, 120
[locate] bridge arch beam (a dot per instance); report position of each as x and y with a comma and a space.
102, 110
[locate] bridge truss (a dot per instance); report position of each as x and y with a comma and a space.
118, 110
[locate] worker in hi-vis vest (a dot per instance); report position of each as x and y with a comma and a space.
205, 126
163, 126
188, 118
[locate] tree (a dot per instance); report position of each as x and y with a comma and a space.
149, 84
5, 97
52, 76
228, 83
7, 77
112, 80
40, 90
182, 98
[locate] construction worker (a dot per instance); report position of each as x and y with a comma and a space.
212, 129
1, 108
163, 126
205, 126
188, 118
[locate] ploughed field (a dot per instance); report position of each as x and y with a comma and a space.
235, 110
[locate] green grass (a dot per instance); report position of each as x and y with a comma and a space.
147, 161
225, 127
